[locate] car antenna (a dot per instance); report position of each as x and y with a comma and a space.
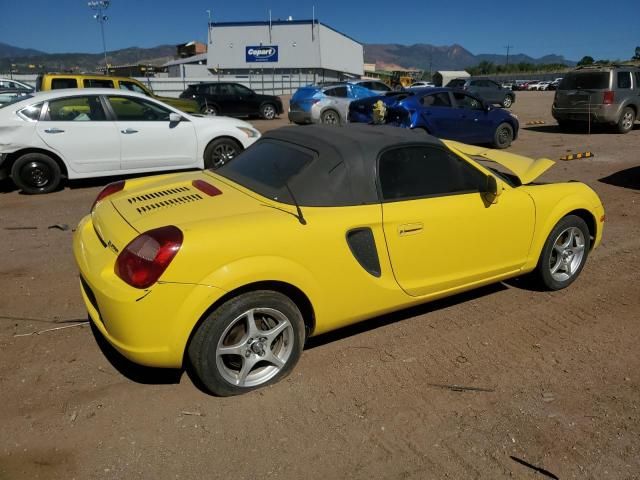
295, 202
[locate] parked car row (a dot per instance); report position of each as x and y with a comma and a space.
82, 133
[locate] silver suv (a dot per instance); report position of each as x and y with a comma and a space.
599, 94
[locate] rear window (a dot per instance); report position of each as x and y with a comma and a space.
268, 168
57, 83
456, 83
585, 81
97, 83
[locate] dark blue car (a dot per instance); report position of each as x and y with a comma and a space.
444, 113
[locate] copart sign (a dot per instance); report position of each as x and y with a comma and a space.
261, 54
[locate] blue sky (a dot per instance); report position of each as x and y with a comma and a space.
572, 28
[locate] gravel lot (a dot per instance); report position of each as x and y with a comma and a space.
562, 369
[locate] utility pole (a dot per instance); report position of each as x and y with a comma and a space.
209, 28
99, 6
508, 47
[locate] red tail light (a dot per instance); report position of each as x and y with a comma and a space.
206, 187
148, 255
608, 97
108, 190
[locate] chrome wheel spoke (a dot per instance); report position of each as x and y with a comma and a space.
556, 266
252, 328
237, 349
247, 365
275, 331
271, 358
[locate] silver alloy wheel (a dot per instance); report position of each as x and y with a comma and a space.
567, 254
268, 112
507, 101
222, 154
36, 174
330, 118
627, 120
255, 347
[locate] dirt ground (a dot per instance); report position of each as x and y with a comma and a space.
560, 372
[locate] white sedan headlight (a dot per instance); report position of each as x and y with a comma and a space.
249, 132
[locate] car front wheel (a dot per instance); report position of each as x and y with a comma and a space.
564, 253
36, 173
220, 151
268, 111
503, 136
250, 341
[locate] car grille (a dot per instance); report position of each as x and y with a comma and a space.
170, 197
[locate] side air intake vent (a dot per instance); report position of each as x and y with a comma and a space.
363, 246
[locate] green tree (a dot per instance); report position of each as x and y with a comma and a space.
586, 60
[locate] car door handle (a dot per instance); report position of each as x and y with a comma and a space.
53, 130
410, 229
128, 131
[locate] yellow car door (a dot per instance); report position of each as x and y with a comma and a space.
441, 231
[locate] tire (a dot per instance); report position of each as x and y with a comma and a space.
268, 111
264, 355
564, 253
36, 173
220, 151
626, 120
210, 110
508, 101
330, 117
503, 136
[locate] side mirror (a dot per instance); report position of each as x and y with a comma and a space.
487, 107
493, 189
175, 117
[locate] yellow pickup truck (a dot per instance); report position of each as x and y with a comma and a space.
54, 81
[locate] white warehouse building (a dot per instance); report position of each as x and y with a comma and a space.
289, 51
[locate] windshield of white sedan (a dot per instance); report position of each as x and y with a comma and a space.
17, 98
268, 168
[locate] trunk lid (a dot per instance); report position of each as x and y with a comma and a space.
525, 168
174, 200
582, 89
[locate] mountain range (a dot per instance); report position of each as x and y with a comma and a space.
420, 56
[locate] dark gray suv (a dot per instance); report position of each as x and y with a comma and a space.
487, 90
599, 94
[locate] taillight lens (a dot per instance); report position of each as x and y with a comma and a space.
206, 187
108, 190
608, 97
148, 255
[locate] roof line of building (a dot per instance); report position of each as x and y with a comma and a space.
281, 22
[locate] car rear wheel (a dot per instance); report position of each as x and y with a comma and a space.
250, 341
36, 173
330, 117
508, 101
209, 110
220, 151
626, 121
564, 254
503, 136
268, 111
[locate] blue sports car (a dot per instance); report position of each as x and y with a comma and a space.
441, 112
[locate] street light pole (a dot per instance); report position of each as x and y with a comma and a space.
99, 6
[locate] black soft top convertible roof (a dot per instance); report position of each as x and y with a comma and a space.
343, 172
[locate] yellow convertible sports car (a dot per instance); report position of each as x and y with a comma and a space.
312, 229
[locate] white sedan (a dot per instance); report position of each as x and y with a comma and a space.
85, 133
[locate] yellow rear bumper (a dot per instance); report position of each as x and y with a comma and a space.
151, 326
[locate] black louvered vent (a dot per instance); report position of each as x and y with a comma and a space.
170, 197
363, 247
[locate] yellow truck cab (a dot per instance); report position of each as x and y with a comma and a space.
54, 81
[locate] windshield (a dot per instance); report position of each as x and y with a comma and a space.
585, 81
500, 171
267, 168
